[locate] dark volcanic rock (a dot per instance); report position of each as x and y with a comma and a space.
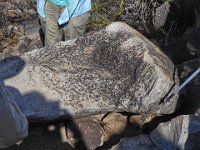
192, 36
177, 51
190, 94
114, 69
85, 133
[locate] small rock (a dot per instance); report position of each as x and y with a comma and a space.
192, 35
25, 11
19, 12
161, 15
32, 12
119, 124
141, 119
23, 45
11, 13
114, 124
1, 36
16, 28
84, 133
9, 29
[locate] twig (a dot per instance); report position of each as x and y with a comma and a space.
166, 40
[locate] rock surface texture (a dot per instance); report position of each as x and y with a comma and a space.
114, 69
182, 132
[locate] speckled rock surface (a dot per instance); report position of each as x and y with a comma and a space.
114, 69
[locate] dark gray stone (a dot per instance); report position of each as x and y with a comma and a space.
161, 15
114, 69
192, 36
141, 142
190, 94
85, 133
182, 132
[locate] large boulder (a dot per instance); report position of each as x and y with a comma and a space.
182, 132
114, 69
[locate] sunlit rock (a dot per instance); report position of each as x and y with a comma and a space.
114, 69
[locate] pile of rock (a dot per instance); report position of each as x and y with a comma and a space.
100, 73
16, 11
97, 73
182, 132
19, 30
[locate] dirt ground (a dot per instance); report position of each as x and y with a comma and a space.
43, 137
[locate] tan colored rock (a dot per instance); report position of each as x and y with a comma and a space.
141, 119
117, 124
11, 13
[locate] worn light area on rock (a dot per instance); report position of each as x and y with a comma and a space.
114, 69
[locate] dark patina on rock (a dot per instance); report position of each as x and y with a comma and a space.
113, 69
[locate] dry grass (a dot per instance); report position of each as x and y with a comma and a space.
105, 12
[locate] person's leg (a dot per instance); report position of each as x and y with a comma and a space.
42, 30
52, 32
76, 26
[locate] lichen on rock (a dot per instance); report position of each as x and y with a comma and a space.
115, 68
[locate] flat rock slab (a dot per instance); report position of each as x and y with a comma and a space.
113, 69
